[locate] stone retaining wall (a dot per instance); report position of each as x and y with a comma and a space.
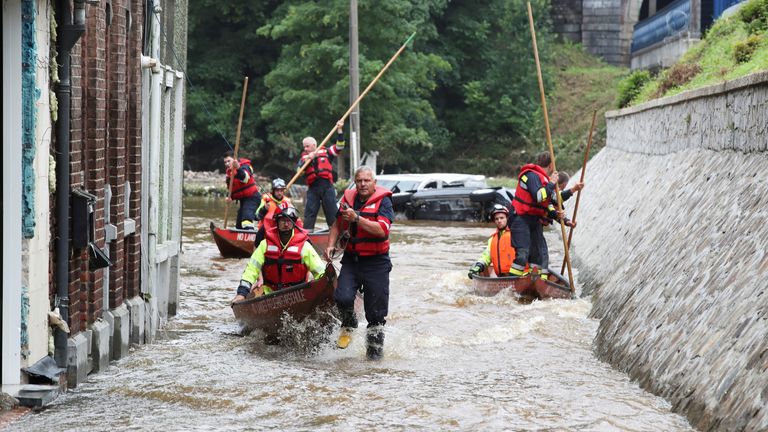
672, 240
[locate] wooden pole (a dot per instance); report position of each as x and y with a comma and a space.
237, 148
581, 180
549, 142
352, 107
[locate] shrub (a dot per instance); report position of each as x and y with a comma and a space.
743, 50
677, 76
630, 86
755, 15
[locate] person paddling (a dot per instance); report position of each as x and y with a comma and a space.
243, 188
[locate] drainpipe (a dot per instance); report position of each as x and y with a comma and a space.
69, 34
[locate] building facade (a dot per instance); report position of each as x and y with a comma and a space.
98, 88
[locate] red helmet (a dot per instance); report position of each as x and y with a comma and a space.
498, 208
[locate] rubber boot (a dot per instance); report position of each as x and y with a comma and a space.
348, 324
375, 343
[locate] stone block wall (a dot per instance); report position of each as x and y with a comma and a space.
673, 244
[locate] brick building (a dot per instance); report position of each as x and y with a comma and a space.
98, 88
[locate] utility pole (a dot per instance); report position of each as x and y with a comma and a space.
354, 90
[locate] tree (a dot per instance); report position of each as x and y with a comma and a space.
308, 87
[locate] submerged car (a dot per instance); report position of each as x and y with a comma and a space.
443, 196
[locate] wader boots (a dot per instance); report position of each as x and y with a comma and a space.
348, 324
375, 342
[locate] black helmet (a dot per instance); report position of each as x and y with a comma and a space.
288, 212
278, 183
498, 208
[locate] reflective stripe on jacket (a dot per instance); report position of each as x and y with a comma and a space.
283, 265
243, 188
525, 201
361, 241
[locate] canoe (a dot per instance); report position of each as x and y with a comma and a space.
299, 301
530, 286
238, 243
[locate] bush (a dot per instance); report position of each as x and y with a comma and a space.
755, 15
630, 86
677, 76
743, 50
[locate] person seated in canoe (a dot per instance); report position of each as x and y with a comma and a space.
243, 188
284, 258
499, 253
562, 181
272, 203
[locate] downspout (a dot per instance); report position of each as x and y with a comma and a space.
68, 35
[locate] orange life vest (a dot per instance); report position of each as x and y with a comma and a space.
502, 252
272, 207
283, 266
319, 167
241, 189
525, 202
361, 241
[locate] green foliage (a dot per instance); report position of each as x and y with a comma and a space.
734, 46
630, 87
743, 50
463, 97
755, 15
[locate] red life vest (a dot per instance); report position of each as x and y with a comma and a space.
241, 189
502, 252
319, 167
362, 242
283, 266
525, 202
272, 207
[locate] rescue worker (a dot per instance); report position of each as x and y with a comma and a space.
284, 258
362, 231
271, 204
565, 194
499, 253
532, 203
319, 174
244, 189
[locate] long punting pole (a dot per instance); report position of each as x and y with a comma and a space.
549, 142
352, 107
581, 180
237, 147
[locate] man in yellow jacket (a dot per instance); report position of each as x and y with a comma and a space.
499, 254
284, 258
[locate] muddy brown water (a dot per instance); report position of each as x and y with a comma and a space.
453, 360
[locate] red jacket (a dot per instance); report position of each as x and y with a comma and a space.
283, 266
362, 242
321, 166
241, 189
525, 201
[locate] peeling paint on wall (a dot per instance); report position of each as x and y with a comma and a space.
29, 95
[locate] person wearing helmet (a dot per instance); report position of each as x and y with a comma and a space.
319, 173
284, 258
272, 203
499, 253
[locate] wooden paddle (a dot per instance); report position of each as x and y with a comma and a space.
237, 148
352, 107
549, 142
581, 180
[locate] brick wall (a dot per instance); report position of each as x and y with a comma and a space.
106, 149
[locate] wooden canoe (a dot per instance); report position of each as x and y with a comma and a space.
299, 301
238, 243
530, 286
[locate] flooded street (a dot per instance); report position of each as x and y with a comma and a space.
453, 360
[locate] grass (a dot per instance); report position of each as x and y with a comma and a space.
585, 84
734, 47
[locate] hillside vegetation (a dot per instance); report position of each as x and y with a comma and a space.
735, 46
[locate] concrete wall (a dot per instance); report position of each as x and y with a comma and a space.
672, 242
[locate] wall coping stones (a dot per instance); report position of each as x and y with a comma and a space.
750, 80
